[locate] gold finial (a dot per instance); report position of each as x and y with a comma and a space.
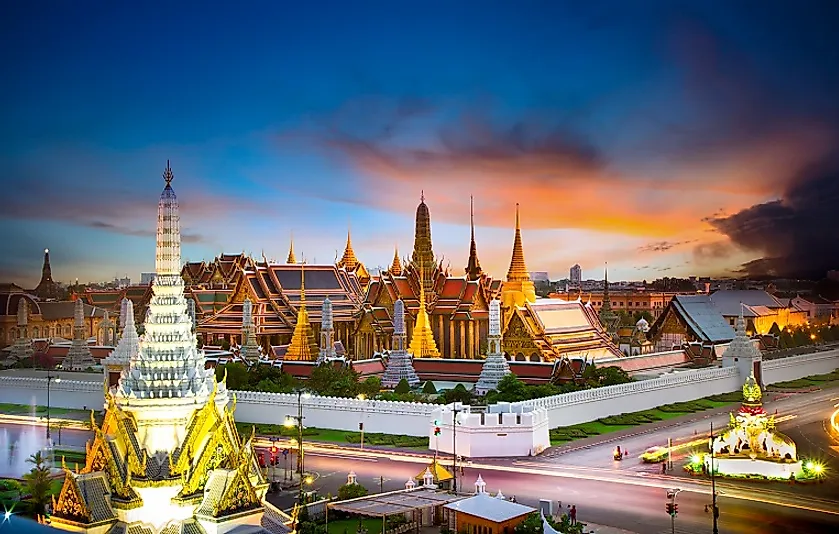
396, 266
167, 174
518, 269
291, 258
422, 195
349, 260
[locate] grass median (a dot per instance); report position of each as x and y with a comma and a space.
339, 437
614, 423
820, 381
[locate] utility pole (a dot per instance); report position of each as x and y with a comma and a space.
455, 411
715, 511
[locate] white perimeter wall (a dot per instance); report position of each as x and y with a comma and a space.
591, 404
414, 419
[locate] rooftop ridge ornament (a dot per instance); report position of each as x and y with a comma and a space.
168, 175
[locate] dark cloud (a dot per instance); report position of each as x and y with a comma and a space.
712, 251
797, 233
663, 246
185, 236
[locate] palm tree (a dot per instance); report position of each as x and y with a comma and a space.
38, 483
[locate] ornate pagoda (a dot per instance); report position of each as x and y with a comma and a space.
79, 356
303, 346
399, 365
47, 289
167, 457
495, 366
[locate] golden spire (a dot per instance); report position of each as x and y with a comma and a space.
422, 258
291, 258
303, 346
518, 270
422, 341
348, 261
396, 266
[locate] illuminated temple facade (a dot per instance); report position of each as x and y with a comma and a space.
168, 456
456, 306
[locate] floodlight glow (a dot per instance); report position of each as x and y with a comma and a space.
695, 459
289, 423
810, 465
308, 480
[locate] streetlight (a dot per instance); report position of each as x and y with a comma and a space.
50, 378
361, 397
290, 420
456, 409
715, 511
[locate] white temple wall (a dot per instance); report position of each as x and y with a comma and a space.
388, 417
73, 394
499, 434
795, 367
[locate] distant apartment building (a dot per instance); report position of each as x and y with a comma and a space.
576, 275
146, 279
629, 301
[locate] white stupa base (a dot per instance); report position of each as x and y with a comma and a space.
158, 508
747, 466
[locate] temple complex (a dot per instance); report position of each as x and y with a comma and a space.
457, 307
399, 360
79, 356
168, 456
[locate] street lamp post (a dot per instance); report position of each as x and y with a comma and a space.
362, 397
715, 511
455, 410
290, 421
50, 378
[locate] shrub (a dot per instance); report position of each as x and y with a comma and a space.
402, 387
429, 387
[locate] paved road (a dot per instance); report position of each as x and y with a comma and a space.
636, 507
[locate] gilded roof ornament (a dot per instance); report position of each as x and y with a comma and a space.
518, 270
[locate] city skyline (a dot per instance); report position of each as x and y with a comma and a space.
672, 140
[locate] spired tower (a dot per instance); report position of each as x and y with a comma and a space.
742, 353
79, 356
168, 456
327, 333
396, 266
495, 366
47, 289
399, 364
473, 267
422, 259
249, 351
291, 258
422, 342
22, 348
167, 380
303, 346
518, 288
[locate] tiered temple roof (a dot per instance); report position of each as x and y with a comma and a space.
549, 329
275, 292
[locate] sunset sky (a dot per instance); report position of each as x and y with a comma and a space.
668, 138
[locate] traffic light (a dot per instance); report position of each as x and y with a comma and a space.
273, 450
436, 430
675, 508
670, 509
360, 426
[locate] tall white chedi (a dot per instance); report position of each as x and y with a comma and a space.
249, 351
78, 355
399, 364
167, 379
742, 352
495, 366
326, 350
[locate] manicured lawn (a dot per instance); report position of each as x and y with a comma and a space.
26, 409
350, 526
825, 380
623, 421
344, 437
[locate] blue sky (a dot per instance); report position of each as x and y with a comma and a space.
653, 135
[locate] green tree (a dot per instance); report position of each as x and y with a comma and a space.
370, 387
429, 388
643, 314
38, 483
511, 389
458, 394
237, 376
531, 525
351, 491
402, 387
328, 380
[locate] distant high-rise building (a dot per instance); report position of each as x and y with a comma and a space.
146, 279
576, 274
